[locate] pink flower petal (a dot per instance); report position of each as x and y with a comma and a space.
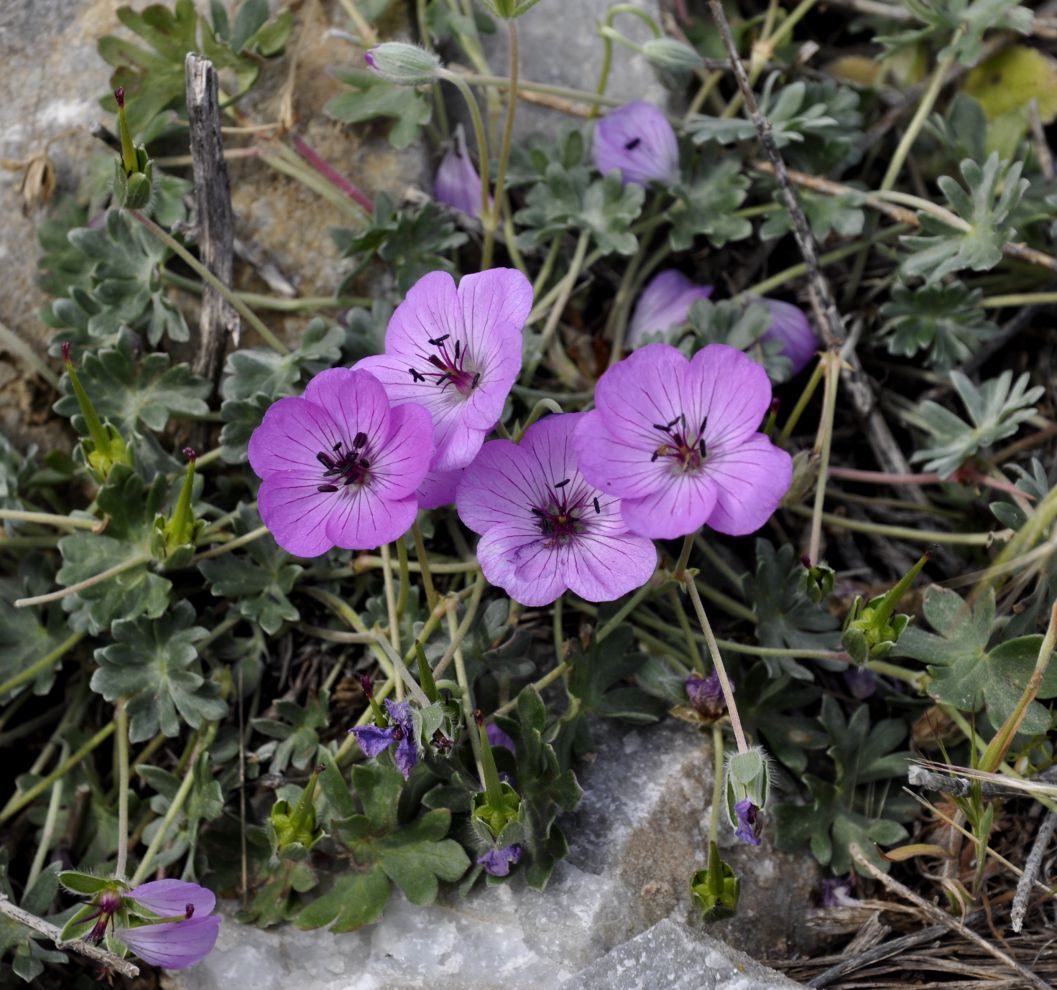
401, 460
750, 481
355, 401
365, 520
731, 389
681, 506
638, 140
292, 432
296, 512
173, 945
664, 303
518, 561
603, 569
167, 898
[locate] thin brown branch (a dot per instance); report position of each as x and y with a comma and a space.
940, 917
1031, 870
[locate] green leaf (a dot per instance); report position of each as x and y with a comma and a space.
410, 242
135, 396
843, 214
261, 370
27, 635
743, 325
706, 201
945, 321
599, 681
297, 730
241, 417
372, 97
996, 409
787, 617
418, 855
259, 577
968, 675
356, 899
378, 786
135, 591
985, 208
154, 664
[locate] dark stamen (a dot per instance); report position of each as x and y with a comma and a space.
674, 421
661, 427
326, 488
561, 484
656, 454
597, 509
337, 446
458, 347
704, 423
538, 512
437, 341
476, 380
415, 376
633, 144
324, 460
359, 440
701, 447
366, 463
436, 361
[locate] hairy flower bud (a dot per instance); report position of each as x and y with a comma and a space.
667, 53
406, 65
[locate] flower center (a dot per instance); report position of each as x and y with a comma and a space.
447, 367
561, 518
345, 465
685, 449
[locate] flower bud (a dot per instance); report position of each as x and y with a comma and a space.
180, 529
103, 447
871, 630
458, 183
716, 888
791, 327
406, 65
672, 55
294, 830
664, 303
638, 140
133, 171
748, 788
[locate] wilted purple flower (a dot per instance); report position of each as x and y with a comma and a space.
374, 740
497, 737
790, 325
862, 682
497, 862
706, 694
638, 140
664, 303
544, 528
836, 892
457, 353
172, 944
458, 183
339, 467
749, 824
676, 441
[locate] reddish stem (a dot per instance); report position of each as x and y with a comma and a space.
331, 174
966, 475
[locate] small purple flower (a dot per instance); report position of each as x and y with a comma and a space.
172, 944
374, 740
836, 892
749, 824
544, 528
339, 467
638, 140
790, 325
168, 898
458, 183
706, 695
457, 352
676, 440
497, 737
497, 862
664, 303
862, 683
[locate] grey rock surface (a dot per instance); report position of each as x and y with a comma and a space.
619, 905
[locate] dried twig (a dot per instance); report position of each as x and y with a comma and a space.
1031, 870
213, 215
941, 917
51, 932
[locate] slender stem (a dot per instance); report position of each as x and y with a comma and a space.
54, 596
464, 626
105, 959
46, 833
502, 82
45, 663
368, 35
557, 630
1019, 299
174, 809
19, 348
466, 694
16, 804
545, 681
122, 790
390, 607
504, 152
459, 82
721, 670
831, 362
543, 405
207, 276
424, 564
239, 541
548, 266
555, 314
692, 650
801, 404
928, 100
405, 579
47, 519
332, 175
725, 602
776, 651
679, 573
262, 301
900, 532
718, 777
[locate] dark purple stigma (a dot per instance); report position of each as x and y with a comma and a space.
346, 466
687, 449
561, 518
450, 366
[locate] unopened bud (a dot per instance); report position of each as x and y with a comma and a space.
406, 65
667, 53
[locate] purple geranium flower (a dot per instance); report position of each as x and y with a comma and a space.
497, 737
168, 898
638, 140
544, 528
497, 862
457, 352
749, 824
458, 183
706, 694
172, 944
339, 467
374, 739
676, 441
664, 303
837, 892
790, 325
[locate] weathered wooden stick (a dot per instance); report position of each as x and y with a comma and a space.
213, 216
49, 931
